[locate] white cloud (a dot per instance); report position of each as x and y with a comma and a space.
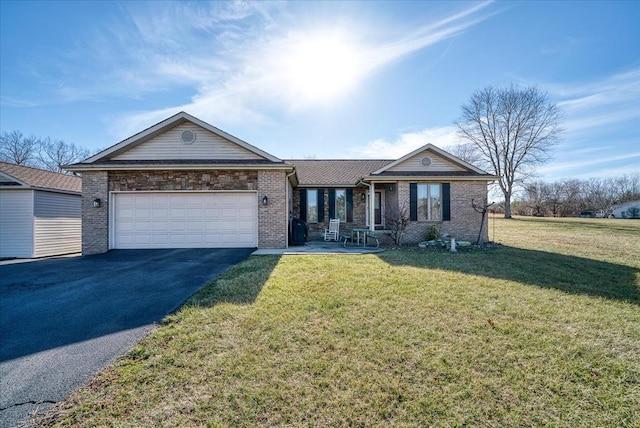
596, 105
586, 162
442, 137
238, 58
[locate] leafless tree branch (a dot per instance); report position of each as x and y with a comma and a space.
512, 129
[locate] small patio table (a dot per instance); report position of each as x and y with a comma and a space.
357, 231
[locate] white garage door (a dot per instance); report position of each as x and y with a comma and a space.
185, 220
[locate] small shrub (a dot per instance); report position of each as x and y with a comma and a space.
433, 233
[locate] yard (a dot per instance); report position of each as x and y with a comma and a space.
542, 332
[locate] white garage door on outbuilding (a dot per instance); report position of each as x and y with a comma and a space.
224, 219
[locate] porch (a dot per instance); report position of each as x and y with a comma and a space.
319, 247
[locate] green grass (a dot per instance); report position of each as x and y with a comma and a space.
542, 332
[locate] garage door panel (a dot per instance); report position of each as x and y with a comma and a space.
178, 220
143, 226
159, 239
177, 212
177, 226
161, 212
195, 226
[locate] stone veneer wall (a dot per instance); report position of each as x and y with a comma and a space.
183, 180
95, 221
465, 221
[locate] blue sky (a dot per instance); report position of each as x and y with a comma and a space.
323, 79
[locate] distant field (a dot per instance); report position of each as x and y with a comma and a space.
542, 332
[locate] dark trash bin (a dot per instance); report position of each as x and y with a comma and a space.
298, 235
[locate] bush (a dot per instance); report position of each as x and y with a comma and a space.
433, 233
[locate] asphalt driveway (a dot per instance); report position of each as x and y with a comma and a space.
63, 320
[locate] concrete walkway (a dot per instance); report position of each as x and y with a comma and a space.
319, 247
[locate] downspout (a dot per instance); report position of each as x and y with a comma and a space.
286, 201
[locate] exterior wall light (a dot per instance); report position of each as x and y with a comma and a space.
265, 200
390, 187
363, 196
96, 203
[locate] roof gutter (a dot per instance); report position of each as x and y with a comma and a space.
431, 178
165, 167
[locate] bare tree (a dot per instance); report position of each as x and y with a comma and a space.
398, 219
513, 129
572, 196
467, 152
53, 154
37, 152
537, 194
18, 149
625, 188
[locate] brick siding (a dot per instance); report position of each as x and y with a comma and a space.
273, 219
464, 224
95, 221
465, 221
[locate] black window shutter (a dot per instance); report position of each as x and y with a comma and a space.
413, 201
303, 204
332, 203
349, 205
320, 205
446, 202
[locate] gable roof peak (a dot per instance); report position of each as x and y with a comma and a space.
430, 147
167, 124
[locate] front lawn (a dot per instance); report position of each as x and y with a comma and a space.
542, 332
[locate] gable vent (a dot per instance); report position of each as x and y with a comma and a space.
188, 136
425, 161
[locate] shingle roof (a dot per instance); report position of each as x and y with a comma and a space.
35, 177
334, 172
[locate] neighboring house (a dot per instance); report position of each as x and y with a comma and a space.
40, 212
629, 209
184, 183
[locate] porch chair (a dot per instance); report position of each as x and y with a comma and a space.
333, 232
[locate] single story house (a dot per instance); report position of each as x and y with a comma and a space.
40, 212
184, 183
629, 209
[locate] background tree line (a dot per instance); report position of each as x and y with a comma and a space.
45, 153
570, 197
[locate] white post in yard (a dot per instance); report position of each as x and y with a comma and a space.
453, 245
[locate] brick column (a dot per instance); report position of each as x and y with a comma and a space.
272, 218
95, 221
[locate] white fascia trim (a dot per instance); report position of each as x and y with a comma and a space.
325, 185
92, 167
390, 179
437, 150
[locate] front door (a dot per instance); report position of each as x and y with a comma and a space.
377, 207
